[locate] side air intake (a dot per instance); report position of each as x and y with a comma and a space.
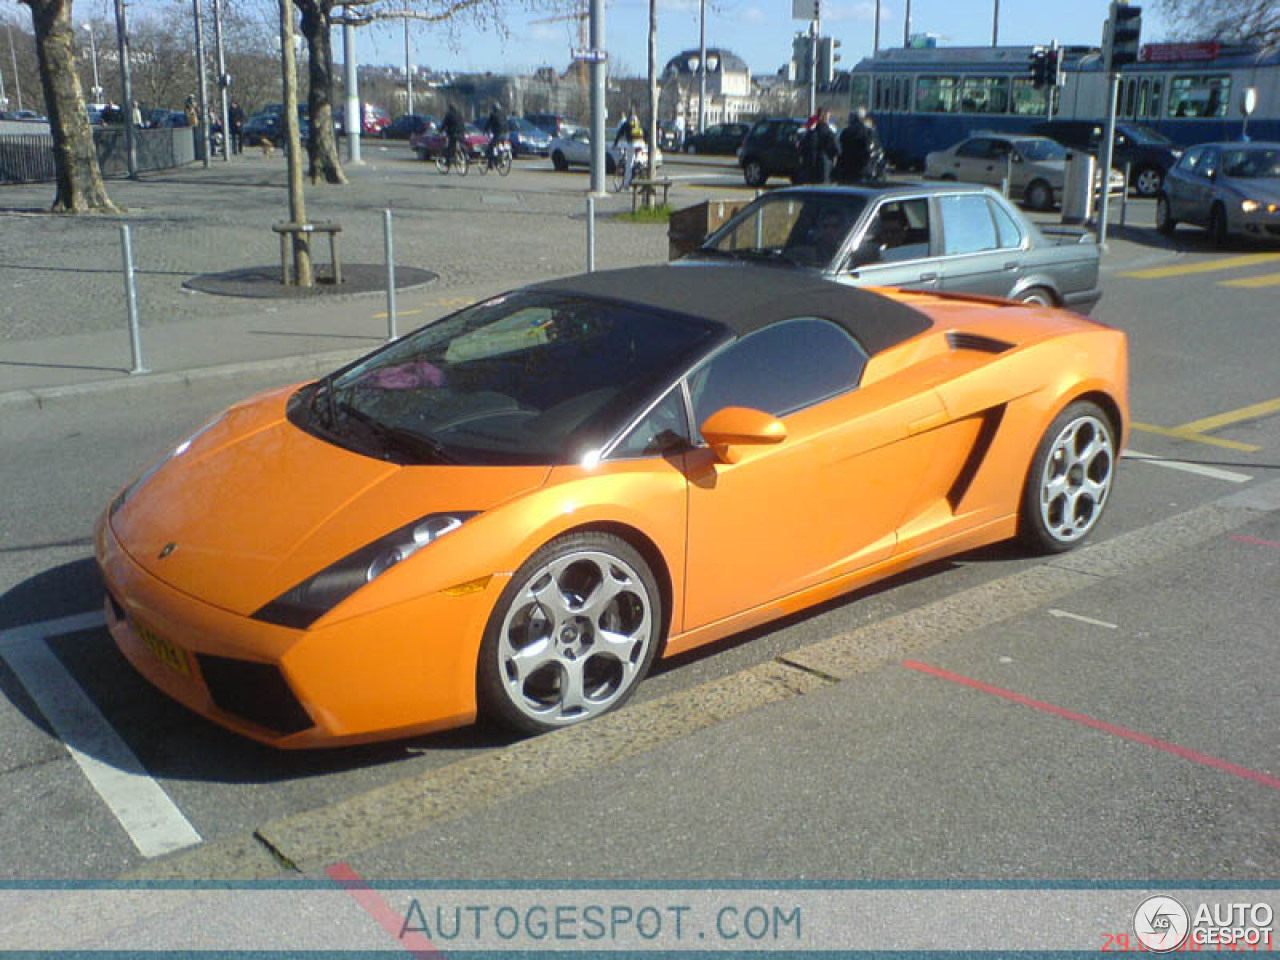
976, 341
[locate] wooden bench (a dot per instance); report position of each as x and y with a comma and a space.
648, 189
288, 230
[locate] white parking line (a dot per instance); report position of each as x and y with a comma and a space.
1077, 617
1213, 472
153, 822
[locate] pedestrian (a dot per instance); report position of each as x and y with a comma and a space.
679, 143
235, 116
135, 115
818, 148
191, 112
854, 152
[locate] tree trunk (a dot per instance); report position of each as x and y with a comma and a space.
322, 147
80, 186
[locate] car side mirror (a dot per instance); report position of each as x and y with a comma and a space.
740, 426
1017, 157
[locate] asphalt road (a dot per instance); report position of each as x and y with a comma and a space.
878, 757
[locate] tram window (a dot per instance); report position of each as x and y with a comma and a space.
1130, 96
1144, 98
1200, 96
984, 95
1155, 98
937, 95
1027, 100
861, 91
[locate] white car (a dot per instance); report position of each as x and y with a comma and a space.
1036, 166
573, 149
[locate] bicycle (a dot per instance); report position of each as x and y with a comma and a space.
639, 164
499, 158
459, 162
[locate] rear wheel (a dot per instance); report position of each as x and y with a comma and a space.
1218, 225
753, 173
1070, 479
1164, 216
1148, 181
572, 635
1039, 195
503, 163
559, 162
442, 163
1039, 295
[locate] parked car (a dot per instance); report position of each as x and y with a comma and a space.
30, 115
1036, 166
719, 138
1148, 153
553, 123
430, 143
527, 138
769, 150
162, 118
514, 510
573, 149
1228, 188
966, 239
375, 119
269, 127
406, 125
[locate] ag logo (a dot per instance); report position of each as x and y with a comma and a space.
1161, 923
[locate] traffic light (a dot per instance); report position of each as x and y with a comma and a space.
1126, 30
1040, 67
1053, 67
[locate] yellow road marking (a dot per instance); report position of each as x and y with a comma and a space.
1184, 434
1263, 280
1251, 412
1206, 266
399, 313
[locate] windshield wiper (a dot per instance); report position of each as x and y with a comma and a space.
418, 446
773, 254
323, 388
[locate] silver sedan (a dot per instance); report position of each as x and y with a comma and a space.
1228, 188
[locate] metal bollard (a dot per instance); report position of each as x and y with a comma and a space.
1124, 193
131, 300
591, 234
1007, 183
389, 243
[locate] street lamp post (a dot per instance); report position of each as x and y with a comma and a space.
13, 57
93, 49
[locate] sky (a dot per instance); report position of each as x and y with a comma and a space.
759, 31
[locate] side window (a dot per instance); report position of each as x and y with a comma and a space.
967, 226
780, 369
1208, 165
1190, 161
998, 149
1007, 232
977, 147
663, 428
900, 231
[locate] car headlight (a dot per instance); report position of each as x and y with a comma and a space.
123, 496
1250, 206
304, 604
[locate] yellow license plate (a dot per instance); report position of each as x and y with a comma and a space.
173, 657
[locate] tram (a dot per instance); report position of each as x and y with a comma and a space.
926, 99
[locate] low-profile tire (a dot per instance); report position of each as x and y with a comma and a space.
1164, 216
1218, 225
1038, 295
572, 635
1148, 181
949, 177
1069, 480
1039, 195
753, 173
559, 162
691, 148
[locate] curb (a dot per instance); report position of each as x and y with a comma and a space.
41, 398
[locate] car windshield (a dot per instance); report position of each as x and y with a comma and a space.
1259, 163
526, 378
793, 229
1040, 150
1145, 135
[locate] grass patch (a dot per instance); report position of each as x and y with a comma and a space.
660, 214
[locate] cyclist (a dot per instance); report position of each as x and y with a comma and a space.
495, 128
453, 130
631, 134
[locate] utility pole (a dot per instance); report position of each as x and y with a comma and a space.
223, 80
813, 59
599, 74
702, 65
653, 91
13, 57
906, 26
353, 123
875, 43
126, 84
408, 70
202, 81
995, 24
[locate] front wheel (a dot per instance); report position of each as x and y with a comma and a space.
619, 176
442, 163
1070, 478
503, 163
559, 162
1148, 181
1164, 216
1039, 195
1218, 225
571, 636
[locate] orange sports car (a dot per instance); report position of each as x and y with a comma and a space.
513, 510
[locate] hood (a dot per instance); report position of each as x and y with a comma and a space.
1261, 189
255, 505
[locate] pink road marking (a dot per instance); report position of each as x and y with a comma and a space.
1255, 541
414, 942
1111, 728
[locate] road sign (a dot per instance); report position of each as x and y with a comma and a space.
804, 9
591, 56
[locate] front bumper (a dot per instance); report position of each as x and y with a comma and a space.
400, 671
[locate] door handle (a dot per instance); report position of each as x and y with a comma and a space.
1012, 265
928, 277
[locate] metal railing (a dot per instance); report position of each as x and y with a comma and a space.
28, 158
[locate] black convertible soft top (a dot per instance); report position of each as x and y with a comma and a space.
747, 298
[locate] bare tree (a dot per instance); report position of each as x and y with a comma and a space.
1234, 21
79, 180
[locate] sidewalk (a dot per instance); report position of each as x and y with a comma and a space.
63, 319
